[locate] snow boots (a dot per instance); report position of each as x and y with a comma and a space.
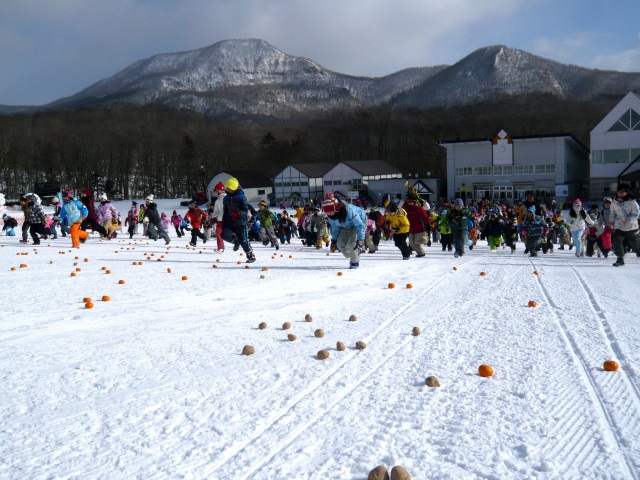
619, 262
251, 257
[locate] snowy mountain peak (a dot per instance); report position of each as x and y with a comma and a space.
250, 76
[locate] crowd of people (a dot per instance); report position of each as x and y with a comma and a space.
341, 225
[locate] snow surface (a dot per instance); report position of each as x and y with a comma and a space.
152, 384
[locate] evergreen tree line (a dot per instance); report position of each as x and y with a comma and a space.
133, 151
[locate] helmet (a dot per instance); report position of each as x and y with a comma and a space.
443, 212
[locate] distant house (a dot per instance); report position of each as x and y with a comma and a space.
301, 183
504, 168
353, 178
256, 185
615, 143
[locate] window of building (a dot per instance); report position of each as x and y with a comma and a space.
261, 192
337, 182
541, 169
463, 171
503, 170
328, 182
482, 170
523, 169
304, 184
357, 184
630, 120
621, 155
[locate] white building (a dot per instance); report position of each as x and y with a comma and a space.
355, 178
615, 143
505, 168
301, 183
255, 185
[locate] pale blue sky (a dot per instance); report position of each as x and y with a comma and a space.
54, 48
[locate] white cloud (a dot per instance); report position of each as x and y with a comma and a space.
627, 61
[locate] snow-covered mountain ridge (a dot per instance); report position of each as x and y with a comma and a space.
252, 77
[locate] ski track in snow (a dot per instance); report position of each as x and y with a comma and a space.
298, 402
618, 423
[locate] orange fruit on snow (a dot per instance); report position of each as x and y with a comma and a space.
339, 274
215, 266
239, 262
290, 256
73, 274
485, 370
392, 285
76, 258
106, 298
535, 272
104, 268
265, 269
78, 269
217, 260
86, 259
13, 268
610, 365
107, 272
168, 270
482, 274
532, 303
23, 265
455, 268
246, 266
86, 299
88, 305
121, 282
409, 285
185, 278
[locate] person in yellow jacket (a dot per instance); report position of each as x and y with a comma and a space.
399, 224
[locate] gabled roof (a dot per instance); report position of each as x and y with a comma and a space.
422, 188
250, 178
523, 137
368, 168
630, 101
313, 170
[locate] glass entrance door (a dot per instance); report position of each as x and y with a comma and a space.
503, 193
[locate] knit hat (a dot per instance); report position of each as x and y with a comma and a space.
330, 204
86, 192
607, 199
458, 201
149, 198
577, 202
231, 184
219, 186
55, 200
67, 193
133, 202
443, 212
262, 203
392, 207
532, 209
103, 196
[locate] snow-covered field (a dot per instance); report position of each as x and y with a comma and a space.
152, 384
